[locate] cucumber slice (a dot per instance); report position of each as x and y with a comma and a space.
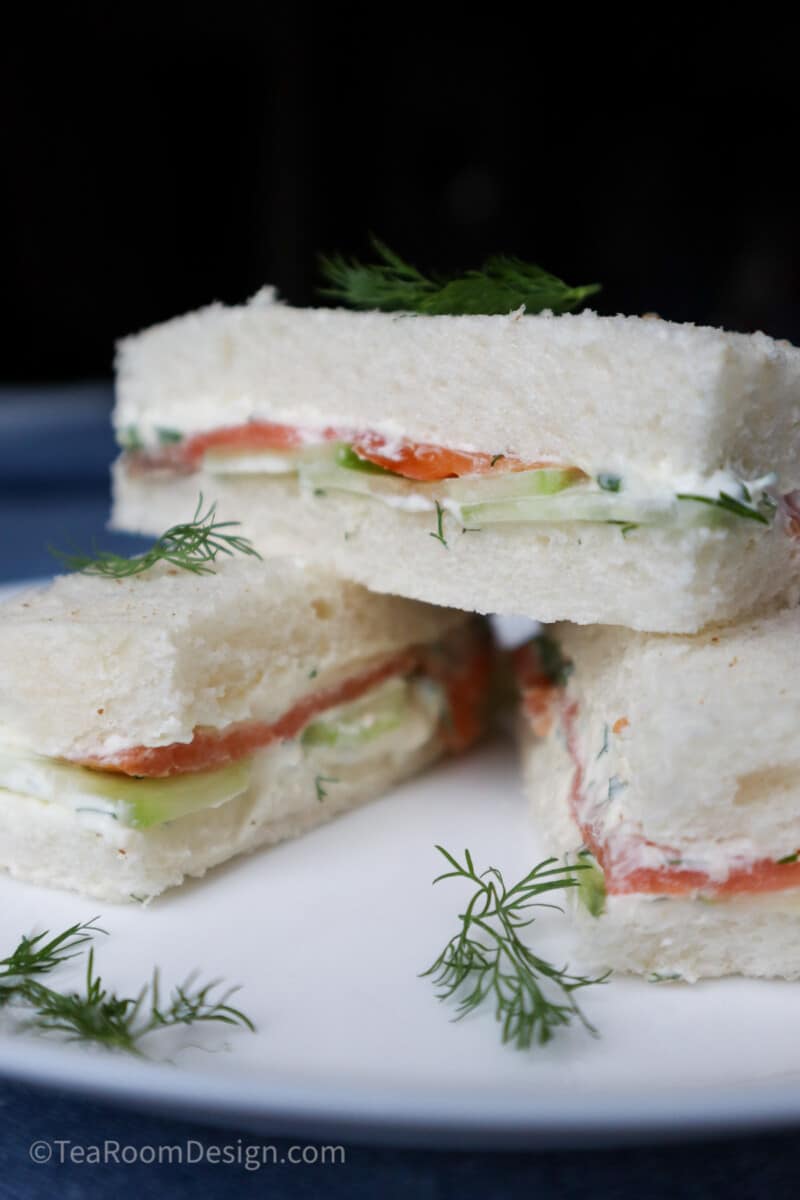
394, 720
353, 725
591, 884
347, 457
453, 493
268, 462
569, 505
510, 485
138, 803
545, 494
391, 489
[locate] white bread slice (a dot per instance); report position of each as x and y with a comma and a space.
600, 393
688, 755
91, 666
667, 580
686, 940
51, 845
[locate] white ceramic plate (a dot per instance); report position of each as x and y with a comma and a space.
326, 935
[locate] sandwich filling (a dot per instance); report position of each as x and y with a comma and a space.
622, 858
435, 694
478, 488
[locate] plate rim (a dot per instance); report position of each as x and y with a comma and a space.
405, 1116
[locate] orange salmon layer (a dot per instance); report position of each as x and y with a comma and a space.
462, 664
546, 704
411, 460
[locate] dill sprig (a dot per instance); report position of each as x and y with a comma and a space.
319, 785
552, 660
502, 285
35, 956
487, 959
96, 1014
192, 547
120, 1022
729, 504
439, 534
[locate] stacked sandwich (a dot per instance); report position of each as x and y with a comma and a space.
619, 472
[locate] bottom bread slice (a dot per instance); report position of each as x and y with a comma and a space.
654, 578
290, 793
671, 938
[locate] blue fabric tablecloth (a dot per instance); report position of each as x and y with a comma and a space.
56, 447
53, 489
67, 518
34, 1124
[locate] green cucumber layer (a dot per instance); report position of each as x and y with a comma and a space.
269, 462
510, 485
344, 732
591, 884
541, 496
337, 466
550, 495
354, 725
138, 803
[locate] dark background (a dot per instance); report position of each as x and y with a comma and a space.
155, 162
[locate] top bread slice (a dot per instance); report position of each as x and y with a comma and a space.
91, 666
599, 393
688, 741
